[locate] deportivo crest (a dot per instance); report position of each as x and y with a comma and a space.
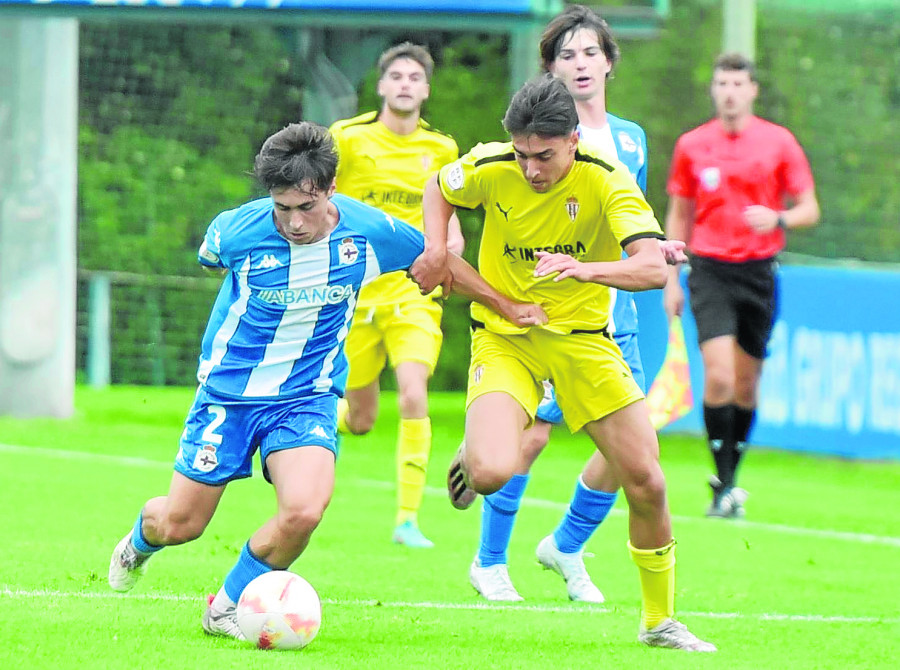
710, 178
455, 176
627, 142
347, 251
572, 207
426, 161
206, 459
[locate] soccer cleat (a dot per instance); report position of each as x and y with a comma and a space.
216, 622
408, 534
461, 494
728, 501
571, 568
673, 634
493, 582
126, 565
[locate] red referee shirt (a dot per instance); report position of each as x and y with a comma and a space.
724, 173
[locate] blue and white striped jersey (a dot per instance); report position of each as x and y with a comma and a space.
630, 143
278, 325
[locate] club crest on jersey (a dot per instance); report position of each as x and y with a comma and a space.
455, 176
206, 459
710, 178
347, 251
627, 142
426, 162
572, 207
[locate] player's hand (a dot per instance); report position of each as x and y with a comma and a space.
523, 313
673, 299
564, 264
430, 270
761, 219
673, 250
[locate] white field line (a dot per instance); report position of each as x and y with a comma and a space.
587, 610
137, 462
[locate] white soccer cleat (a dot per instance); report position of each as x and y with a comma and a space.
673, 634
728, 502
217, 622
126, 565
493, 582
571, 568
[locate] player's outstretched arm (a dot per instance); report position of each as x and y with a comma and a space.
469, 284
430, 268
645, 268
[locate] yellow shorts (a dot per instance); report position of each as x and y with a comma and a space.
408, 331
591, 378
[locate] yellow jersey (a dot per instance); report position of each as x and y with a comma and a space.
389, 171
592, 213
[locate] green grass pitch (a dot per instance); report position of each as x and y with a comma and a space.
810, 580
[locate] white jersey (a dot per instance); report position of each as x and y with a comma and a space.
278, 326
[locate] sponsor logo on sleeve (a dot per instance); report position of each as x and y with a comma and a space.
455, 176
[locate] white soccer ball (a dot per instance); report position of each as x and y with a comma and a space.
279, 610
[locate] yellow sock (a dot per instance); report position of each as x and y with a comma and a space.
413, 449
343, 409
657, 572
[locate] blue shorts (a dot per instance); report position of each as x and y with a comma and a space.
549, 412
221, 435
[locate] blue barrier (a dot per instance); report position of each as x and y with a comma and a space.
831, 382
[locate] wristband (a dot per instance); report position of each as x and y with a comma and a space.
781, 223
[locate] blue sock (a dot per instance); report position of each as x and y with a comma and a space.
587, 510
139, 541
247, 568
498, 514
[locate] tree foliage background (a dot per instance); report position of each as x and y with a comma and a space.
172, 115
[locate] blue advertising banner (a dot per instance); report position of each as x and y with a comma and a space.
455, 6
831, 382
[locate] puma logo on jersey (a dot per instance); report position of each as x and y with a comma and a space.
504, 212
268, 262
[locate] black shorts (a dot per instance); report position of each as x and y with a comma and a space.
738, 299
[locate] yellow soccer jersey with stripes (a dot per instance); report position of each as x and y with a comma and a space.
590, 214
389, 171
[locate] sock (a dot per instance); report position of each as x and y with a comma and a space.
247, 568
139, 541
343, 409
743, 423
657, 572
498, 515
586, 512
413, 448
719, 429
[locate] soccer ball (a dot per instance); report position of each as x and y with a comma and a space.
279, 610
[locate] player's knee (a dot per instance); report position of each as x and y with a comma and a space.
488, 477
361, 420
719, 383
412, 402
300, 518
645, 488
532, 446
179, 529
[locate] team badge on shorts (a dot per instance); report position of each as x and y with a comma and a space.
572, 207
347, 251
206, 459
710, 178
476, 374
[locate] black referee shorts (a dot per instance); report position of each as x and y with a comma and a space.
739, 299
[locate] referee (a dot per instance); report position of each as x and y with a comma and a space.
736, 185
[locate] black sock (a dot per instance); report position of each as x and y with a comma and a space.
719, 430
743, 423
